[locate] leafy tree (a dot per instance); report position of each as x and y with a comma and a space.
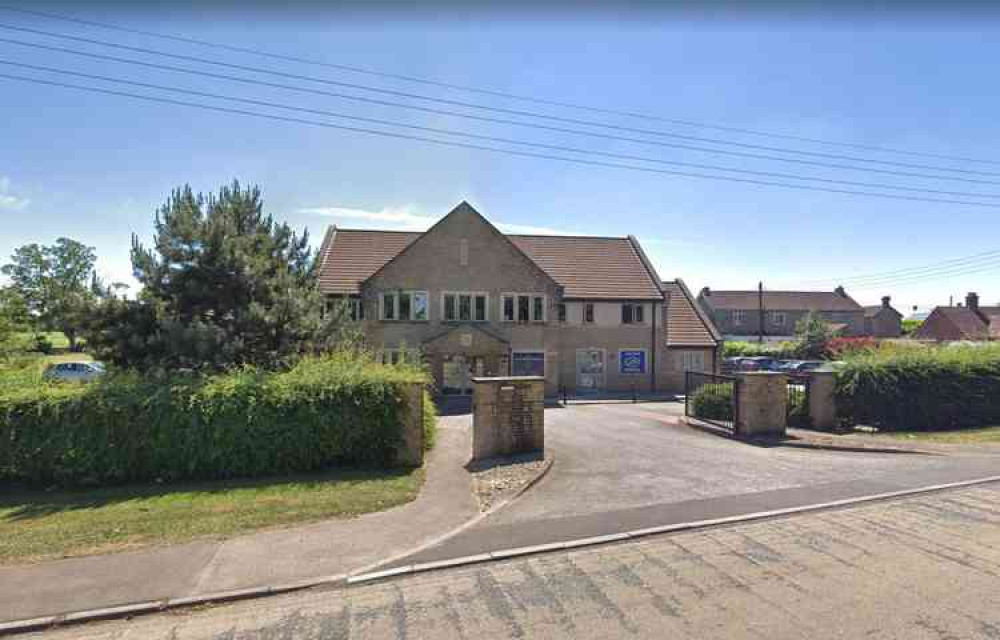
55, 283
814, 335
223, 284
13, 319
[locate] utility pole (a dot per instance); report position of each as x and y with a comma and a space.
760, 312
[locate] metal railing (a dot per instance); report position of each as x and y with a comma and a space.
798, 401
712, 398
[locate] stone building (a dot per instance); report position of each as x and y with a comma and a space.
589, 314
744, 315
883, 321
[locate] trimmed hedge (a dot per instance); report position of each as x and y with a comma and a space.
922, 389
713, 401
342, 409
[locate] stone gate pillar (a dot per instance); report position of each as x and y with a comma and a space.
822, 403
508, 416
762, 405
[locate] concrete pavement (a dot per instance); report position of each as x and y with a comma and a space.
910, 569
624, 466
268, 558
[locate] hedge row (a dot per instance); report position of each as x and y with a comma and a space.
713, 401
931, 389
342, 409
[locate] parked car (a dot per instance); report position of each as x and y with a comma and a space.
759, 363
74, 371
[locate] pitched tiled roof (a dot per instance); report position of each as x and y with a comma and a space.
969, 324
350, 256
687, 325
589, 267
586, 267
781, 300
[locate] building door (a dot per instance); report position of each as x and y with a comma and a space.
589, 370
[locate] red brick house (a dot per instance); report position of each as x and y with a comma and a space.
969, 322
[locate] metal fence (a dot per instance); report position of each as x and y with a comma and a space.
712, 398
798, 401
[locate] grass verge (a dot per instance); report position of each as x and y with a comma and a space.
963, 436
44, 525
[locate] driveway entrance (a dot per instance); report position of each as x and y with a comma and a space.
630, 466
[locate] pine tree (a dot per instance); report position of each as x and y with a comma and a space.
222, 284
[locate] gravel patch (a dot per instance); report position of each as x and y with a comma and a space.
499, 479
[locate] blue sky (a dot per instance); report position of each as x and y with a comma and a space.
95, 167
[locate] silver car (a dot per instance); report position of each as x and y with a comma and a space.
75, 371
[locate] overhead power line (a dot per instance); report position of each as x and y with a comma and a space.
490, 92
513, 152
491, 119
473, 105
486, 138
916, 279
965, 261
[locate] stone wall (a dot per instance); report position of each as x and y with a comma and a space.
508, 416
411, 450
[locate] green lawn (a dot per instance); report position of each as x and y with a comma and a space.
42, 525
963, 436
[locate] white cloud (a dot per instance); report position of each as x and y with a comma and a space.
404, 219
9, 201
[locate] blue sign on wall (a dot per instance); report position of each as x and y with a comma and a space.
632, 362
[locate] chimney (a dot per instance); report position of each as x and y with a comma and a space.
972, 300
840, 291
885, 302
705, 292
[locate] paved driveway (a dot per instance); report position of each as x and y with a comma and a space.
629, 466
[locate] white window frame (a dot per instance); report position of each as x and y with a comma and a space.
514, 353
517, 297
738, 317
472, 306
395, 305
592, 306
402, 356
634, 306
779, 318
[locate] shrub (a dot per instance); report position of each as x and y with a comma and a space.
713, 401
921, 389
783, 350
844, 347
341, 409
43, 344
430, 422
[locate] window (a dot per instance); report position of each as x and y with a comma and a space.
465, 307
523, 307
398, 356
588, 313
419, 305
389, 306
400, 305
357, 309
352, 306
538, 309
528, 363
508, 308
632, 313
738, 316
779, 318
404, 305
561, 311
693, 361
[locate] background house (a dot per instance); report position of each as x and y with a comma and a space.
883, 321
969, 322
743, 315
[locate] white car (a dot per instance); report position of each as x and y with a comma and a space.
75, 371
